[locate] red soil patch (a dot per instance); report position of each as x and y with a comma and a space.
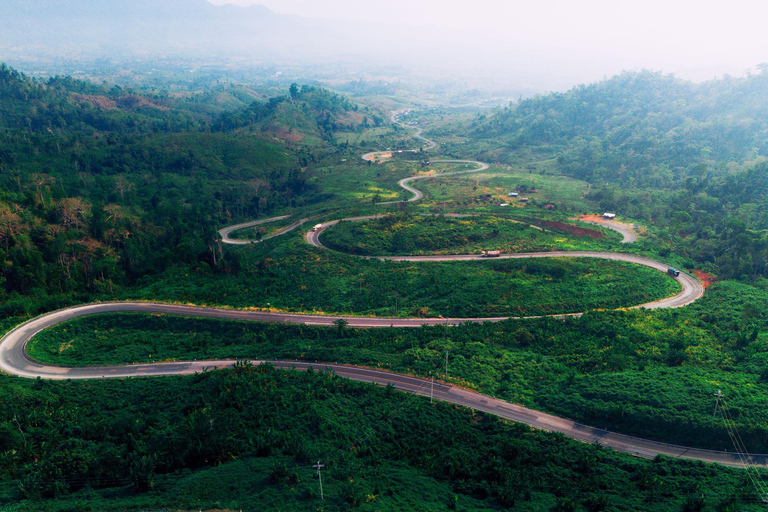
284, 134
591, 218
706, 279
97, 101
128, 102
574, 230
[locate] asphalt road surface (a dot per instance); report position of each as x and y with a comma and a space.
429, 144
225, 232
624, 230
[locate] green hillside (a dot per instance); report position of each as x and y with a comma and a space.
638, 128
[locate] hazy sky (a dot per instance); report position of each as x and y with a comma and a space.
698, 38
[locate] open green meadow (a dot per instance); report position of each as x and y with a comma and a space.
473, 189
357, 183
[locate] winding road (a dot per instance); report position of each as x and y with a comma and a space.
692, 289
15, 361
629, 235
417, 194
225, 232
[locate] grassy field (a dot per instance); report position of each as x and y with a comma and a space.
356, 183
565, 193
419, 234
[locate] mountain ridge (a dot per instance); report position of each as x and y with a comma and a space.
73, 28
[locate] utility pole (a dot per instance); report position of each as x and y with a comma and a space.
718, 397
432, 391
318, 467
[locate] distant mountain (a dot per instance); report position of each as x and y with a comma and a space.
160, 27
189, 28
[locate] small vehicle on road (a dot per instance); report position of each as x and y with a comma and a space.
673, 272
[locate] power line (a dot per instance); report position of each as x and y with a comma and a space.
741, 449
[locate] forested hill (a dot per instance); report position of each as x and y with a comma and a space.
101, 187
61, 104
306, 112
640, 127
687, 158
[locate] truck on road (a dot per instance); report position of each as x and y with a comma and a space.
490, 254
673, 272
316, 227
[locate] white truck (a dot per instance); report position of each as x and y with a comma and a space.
490, 254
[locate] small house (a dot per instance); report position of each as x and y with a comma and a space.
523, 199
513, 194
609, 215
503, 204
550, 206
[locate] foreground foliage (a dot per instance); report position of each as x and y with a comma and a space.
247, 438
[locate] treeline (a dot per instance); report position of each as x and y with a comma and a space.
83, 215
683, 158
